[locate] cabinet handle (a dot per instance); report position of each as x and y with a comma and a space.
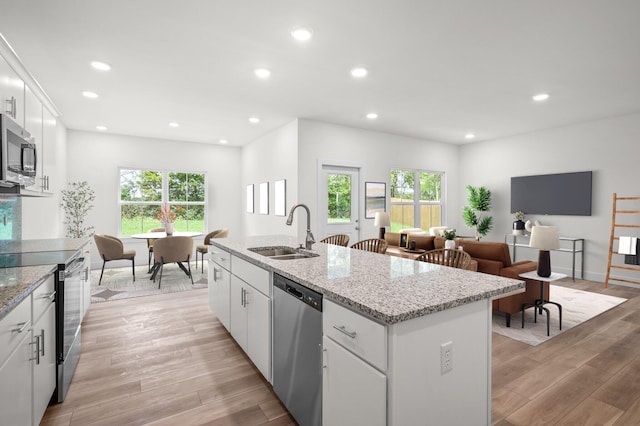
215, 274
22, 326
49, 296
324, 355
14, 107
241, 296
42, 340
9, 108
37, 343
343, 329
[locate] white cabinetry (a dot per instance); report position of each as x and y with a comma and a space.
48, 151
11, 93
44, 364
354, 387
250, 312
86, 280
15, 365
220, 284
27, 357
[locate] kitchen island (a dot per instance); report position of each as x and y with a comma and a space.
404, 342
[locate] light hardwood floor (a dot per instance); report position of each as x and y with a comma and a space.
166, 360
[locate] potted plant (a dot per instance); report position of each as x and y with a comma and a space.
76, 203
518, 224
167, 217
473, 214
449, 235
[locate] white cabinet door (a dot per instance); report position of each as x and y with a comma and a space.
11, 93
15, 392
33, 125
353, 392
220, 292
238, 312
44, 364
86, 280
48, 151
259, 330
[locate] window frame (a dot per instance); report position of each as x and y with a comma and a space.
164, 194
416, 202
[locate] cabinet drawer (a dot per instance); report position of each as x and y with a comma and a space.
358, 334
10, 326
252, 274
43, 297
221, 257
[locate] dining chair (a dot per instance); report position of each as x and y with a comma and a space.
375, 245
150, 244
111, 248
173, 250
336, 240
204, 248
447, 257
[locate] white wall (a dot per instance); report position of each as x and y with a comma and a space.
607, 147
96, 158
269, 158
378, 153
43, 217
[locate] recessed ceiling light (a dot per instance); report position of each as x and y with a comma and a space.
262, 72
302, 33
469, 136
254, 120
541, 97
90, 95
102, 66
359, 72
223, 141
101, 128
372, 116
174, 124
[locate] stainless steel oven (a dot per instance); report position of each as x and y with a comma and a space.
18, 154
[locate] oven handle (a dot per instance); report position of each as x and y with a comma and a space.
71, 272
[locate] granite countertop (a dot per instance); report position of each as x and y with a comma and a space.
388, 288
16, 284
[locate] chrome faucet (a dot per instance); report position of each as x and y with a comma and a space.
309, 240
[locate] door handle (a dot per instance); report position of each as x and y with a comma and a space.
357, 228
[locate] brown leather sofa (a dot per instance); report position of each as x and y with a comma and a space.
493, 258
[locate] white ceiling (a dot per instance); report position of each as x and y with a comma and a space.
437, 69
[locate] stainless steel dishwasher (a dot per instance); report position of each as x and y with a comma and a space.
297, 349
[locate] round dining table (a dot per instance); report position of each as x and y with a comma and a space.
157, 235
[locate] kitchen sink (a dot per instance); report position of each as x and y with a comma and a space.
283, 252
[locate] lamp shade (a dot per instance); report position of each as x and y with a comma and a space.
381, 219
544, 238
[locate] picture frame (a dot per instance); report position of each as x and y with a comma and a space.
250, 208
280, 198
264, 198
375, 198
403, 240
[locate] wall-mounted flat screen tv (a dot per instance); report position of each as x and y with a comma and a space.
555, 194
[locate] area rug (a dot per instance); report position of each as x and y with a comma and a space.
577, 307
117, 283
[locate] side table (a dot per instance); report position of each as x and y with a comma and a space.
538, 304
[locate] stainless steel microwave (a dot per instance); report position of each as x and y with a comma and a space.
18, 155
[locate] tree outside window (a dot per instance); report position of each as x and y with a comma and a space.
416, 199
142, 193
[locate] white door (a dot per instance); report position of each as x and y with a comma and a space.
259, 330
353, 392
339, 202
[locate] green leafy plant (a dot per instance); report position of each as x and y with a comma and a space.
76, 202
474, 214
449, 234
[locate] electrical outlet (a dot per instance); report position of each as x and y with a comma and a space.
446, 357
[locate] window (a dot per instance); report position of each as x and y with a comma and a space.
416, 199
142, 193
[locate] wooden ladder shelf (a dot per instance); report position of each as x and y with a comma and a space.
615, 237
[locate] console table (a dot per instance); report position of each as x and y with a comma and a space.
576, 247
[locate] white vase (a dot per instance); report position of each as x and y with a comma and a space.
449, 244
168, 228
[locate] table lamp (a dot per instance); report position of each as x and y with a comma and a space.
381, 220
544, 238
